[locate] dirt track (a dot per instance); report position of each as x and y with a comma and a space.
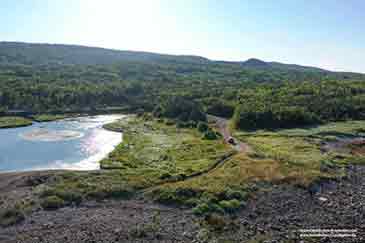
223, 127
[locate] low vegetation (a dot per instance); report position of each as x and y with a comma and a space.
48, 117
11, 216
13, 121
177, 166
153, 152
294, 156
161, 150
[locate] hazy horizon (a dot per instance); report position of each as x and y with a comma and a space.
327, 34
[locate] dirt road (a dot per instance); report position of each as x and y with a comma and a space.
223, 127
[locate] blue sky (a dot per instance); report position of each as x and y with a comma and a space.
323, 33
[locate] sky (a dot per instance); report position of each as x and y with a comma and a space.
323, 33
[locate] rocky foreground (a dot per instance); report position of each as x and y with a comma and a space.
274, 214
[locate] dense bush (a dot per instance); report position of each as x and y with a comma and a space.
11, 216
303, 104
272, 117
220, 108
206, 208
210, 135
230, 206
202, 126
180, 108
52, 202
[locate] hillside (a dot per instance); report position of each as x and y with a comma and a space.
40, 54
43, 78
12, 53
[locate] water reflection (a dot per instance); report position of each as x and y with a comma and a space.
77, 144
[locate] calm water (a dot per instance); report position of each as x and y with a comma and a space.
77, 143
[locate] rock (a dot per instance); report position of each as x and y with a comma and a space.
323, 199
117, 231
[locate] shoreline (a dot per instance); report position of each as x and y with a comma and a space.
48, 117
46, 170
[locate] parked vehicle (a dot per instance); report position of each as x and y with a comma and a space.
231, 141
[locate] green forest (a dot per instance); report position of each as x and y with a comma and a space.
40, 78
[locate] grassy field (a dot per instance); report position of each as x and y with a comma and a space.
152, 153
176, 166
302, 150
48, 117
292, 156
13, 121
16, 121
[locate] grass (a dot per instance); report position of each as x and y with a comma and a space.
157, 159
159, 151
152, 153
48, 117
229, 184
290, 156
14, 121
300, 151
73, 187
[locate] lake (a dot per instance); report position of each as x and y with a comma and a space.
74, 144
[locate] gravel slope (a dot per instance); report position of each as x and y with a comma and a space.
276, 213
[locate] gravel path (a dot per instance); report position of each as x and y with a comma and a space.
222, 125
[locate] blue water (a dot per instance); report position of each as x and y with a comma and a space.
76, 144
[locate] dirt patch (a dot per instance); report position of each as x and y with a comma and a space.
222, 125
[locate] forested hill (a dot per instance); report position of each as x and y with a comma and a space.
58, 78
38, 54
55, 54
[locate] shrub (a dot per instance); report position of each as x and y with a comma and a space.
218, 134
202, 126
219, 108
167, 197
251, 117
169, 122
328, 166
11, 216
165, 176
180, 108
68, 196
230, 206
230, 194
119, 192
181, 124
215, 221
207, 208
201, 209
52, 202
71, 196
96, 194
210, 135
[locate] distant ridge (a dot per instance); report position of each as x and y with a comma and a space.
39, 54
255, 63
36, 53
